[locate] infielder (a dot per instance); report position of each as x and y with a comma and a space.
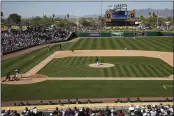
72, 50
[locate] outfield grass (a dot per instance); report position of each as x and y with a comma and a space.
85, 89
151, 43
124, 67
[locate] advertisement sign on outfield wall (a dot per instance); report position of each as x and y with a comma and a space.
94, 35
141, 34
117, 33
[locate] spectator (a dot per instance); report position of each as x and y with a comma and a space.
153, 112
3, 113
131, 108
120, 113
35, 110
107, 111
16, 40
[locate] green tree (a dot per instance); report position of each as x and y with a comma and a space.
85, 22
154, 15
60, 23
142, 19
14, 19
102, 21
45, 17
161, 21
152, 21
36, 21
169, 18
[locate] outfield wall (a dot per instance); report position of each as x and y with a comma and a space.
123, 34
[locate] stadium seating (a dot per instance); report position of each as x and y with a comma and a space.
14, 40
132, 110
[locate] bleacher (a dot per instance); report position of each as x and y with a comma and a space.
129, 109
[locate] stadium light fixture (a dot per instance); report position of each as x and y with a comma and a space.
167, 23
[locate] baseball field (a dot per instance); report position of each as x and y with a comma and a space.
141, 67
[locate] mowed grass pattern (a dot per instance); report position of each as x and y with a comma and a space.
124, 67
144, 43
48, 90
27, 61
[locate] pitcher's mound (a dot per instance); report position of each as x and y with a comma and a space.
102, 65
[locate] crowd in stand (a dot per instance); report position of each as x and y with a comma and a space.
15, 40
148, 110
155, 110
120, 27
162, 27
145, 110
90, 28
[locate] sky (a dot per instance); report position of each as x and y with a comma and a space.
32, 8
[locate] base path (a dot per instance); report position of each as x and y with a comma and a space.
110, 78
40, 78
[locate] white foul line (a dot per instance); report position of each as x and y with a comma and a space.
31, 57
164, 87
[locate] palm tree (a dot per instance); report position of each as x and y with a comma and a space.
149, 14
2, 14
154, 15
53, 16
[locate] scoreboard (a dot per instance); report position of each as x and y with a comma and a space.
111, 15
120, 15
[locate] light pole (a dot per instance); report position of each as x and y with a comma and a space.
77, 23
167, 23
76, 20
